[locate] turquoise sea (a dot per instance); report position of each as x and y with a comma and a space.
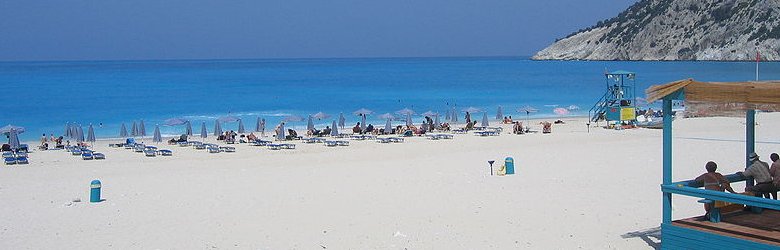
44, 96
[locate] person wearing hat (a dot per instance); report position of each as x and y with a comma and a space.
774, 171
759, 171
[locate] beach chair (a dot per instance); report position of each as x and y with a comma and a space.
309, 140
199, 146
213, 149
8, 154
396, 139
331, 143
432, 137
22, 160
227, 149
87, 156
383, 140
150, 152
343, 143
165, 152
274, 146
21, 154
98, 156
75, 152
183, 144
9, 160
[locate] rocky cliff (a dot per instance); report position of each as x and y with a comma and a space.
678, 30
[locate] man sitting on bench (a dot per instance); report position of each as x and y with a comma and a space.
713, 181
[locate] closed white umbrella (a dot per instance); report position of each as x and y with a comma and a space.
436, 123
389, 126
157, 136
142, 129
123, 131
241, 126
335, 130
342, 120
362, 122
485, 120
280, 135
499, 113
90, 134
13, 139
217, 128
310, 124
134, 130
189, 128
203, 132
408, 119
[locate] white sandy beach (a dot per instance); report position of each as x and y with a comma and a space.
573, 189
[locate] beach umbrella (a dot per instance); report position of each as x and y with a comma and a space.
528, 110
363, 122
320, 116
335, 130
485, 120
157, 137
67, 130
142, 129
80, 134
430, 113
123, 131
310, 124
405, 111
260, 124
134, 131
90, 134
572, 107
217, 128
388, 126
342, 120
408, 119
203, 132
386, 116
454, 115
241, 126
74, 131
7, 129
561, 111
436, 123
13, 139
499, 113
189, 129
447, 115
363, 111
472, 110
257, 125
280, 135
175, 122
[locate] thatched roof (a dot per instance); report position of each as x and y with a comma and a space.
721, 98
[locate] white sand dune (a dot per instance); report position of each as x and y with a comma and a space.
573, 189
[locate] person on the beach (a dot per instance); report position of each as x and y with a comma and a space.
325, 131
369, 128
278, 129
774, 171
759, 171
43, 139
713, 181
262, 127
356, 128
251, 137
468, 117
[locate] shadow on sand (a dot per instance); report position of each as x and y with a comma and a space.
651, 236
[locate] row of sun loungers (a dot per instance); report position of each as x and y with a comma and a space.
11, 158
85, 153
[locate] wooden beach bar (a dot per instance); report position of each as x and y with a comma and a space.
758, 228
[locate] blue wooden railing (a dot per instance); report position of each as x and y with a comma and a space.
692, 188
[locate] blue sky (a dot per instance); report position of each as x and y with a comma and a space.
212, 29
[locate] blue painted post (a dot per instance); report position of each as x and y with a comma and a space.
509, 162
750, 139
667, 157
94, 191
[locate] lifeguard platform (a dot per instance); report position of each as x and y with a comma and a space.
617, 105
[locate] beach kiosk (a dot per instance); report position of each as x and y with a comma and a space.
757, 229
617, 105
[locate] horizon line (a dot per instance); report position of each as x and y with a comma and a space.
260, 59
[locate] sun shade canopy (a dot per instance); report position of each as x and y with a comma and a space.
720, 98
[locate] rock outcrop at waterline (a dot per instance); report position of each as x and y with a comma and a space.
726, 30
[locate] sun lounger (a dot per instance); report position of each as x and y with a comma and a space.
199, 146
75, 152
9, 160
460, 131
288, 146
343, 143
87, 156
183, 144
384, 140
309, 140
396, 139
8, 154
129, 146
165, 152
150, 152
98, 156
432, 137
274, 146
227, 149
331, 143
22, 160
213, 150
21, 154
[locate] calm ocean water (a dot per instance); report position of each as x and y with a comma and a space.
43, 96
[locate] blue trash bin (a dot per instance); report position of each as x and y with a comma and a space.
94, 191
510, 165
